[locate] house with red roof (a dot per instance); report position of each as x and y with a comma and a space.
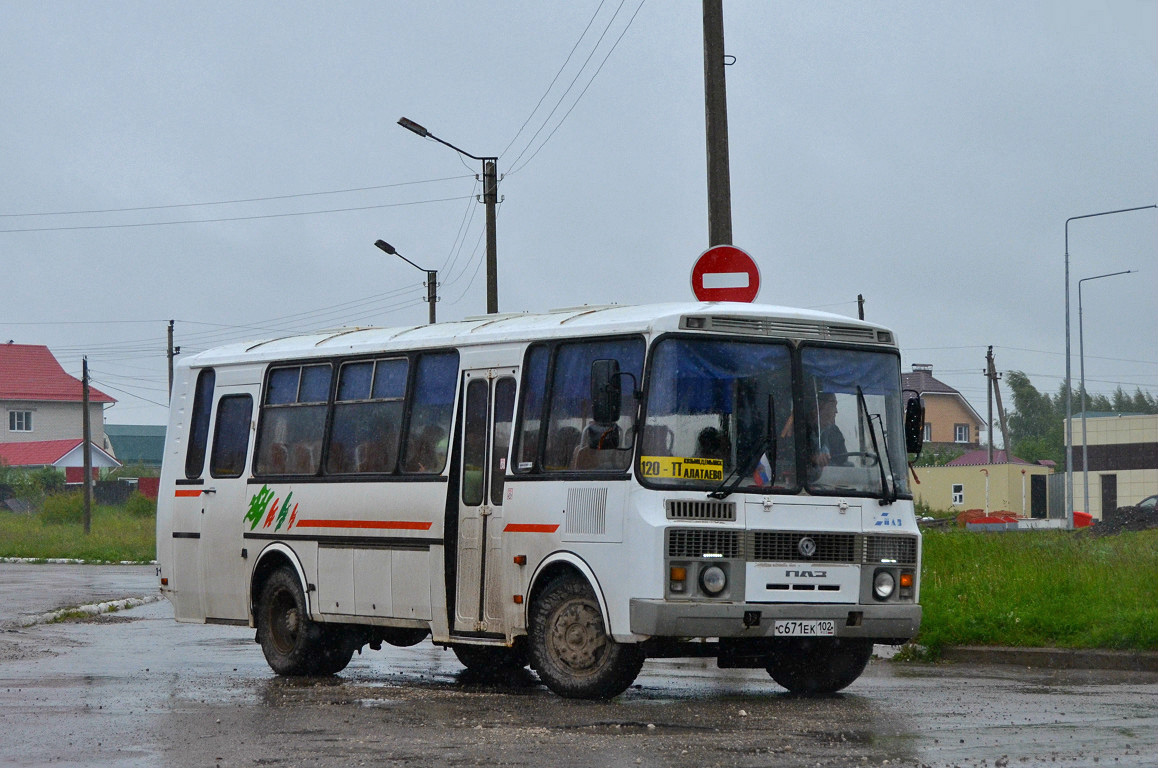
950, 421
41, 403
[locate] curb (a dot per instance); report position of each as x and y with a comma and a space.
1054, 658
93, 609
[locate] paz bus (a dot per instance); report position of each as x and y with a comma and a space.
577, 491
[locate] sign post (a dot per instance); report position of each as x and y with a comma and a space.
725, 273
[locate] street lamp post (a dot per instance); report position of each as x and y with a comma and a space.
431, 277
1069, 381
1082, 387
490, 199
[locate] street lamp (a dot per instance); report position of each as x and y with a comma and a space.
431, 276
1082, 360
1069, 382
490, 198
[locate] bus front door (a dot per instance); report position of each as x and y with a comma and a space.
486, 436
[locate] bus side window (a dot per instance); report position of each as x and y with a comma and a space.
199, 424
501, 437
431, 407
231, 436
293, 420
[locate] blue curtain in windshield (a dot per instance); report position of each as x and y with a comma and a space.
842, 370
695, 376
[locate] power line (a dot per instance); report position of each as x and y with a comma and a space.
233, 202
231, 218
581, 93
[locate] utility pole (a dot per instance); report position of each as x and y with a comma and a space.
431, 277
490, 199
86, 431
995, 392
171, 352
716, 118
860, 305
989, 392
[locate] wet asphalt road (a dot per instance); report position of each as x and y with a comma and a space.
137, 689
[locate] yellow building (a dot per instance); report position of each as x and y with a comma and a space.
1123, 453
968, 482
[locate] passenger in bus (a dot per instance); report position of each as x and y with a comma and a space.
425, 455
711, 444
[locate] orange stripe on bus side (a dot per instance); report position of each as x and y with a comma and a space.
183, 493
529, 528
388, 525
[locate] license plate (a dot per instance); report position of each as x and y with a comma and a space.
814, 628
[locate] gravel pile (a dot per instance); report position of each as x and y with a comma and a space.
1126, 519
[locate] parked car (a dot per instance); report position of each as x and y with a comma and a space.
1148, 503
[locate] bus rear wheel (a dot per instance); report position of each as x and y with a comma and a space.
570, 647
819, 666
293, 644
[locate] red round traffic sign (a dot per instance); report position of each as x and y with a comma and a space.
725, 273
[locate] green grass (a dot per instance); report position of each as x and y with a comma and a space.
1040, 588
115, 536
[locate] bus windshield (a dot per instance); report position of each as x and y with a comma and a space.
853, 441
717, 409
729, 413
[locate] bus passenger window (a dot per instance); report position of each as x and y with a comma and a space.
431, 407
199, 426
501, 436
293, 420
367, 417
231, 436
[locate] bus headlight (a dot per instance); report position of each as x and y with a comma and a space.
883, 584
713, 580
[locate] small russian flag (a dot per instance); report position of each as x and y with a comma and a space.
763, 473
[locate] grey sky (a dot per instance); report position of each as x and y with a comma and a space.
925, 154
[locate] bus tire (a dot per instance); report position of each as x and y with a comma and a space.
338, 646
570, 647
490, 658
293, 644
816, 667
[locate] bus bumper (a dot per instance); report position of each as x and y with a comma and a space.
887, 623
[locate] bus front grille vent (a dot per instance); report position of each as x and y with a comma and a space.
790, 546
681, 509
797, 328
890, 549
689, 543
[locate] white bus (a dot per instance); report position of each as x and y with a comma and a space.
577, 490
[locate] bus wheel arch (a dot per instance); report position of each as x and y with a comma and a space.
274, 557
570, 646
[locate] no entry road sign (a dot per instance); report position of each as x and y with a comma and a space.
725, 273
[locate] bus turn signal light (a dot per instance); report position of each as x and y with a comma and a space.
906, 579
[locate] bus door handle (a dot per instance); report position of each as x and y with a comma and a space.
207, 491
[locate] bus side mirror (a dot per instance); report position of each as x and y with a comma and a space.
606, 391
914, 426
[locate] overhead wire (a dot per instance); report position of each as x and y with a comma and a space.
234, 201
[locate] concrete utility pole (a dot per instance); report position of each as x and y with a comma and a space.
995, 391
171, 352
716, 114
860, 305
86, 431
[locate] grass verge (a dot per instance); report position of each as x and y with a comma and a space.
115, 536
1040, 589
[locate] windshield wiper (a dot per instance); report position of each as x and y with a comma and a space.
768, 443
887, 496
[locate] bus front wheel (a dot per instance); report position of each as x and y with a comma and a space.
819, 666
570, 647
293, 644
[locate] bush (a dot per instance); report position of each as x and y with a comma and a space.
62, 508
140, 505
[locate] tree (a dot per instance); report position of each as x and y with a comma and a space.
1037, 423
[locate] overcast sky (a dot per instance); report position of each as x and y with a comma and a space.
230, 165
